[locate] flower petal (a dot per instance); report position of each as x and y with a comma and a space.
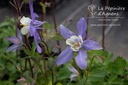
37, 23
25, 20
38, 48
81, 25
73, 70
25, 30
36, 37
12, 48
91, 45
66, 33
81, 59
70, 41
32, 29
14, 40
65, 56
33, 15
72, 77
80, 39
19, 34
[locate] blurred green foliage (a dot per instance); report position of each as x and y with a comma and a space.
8, 72
103, 70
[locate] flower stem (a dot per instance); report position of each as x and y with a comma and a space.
29, 61
17, 6
52, 77
77, 68
17, 2
43, 56
37, 62
55, 26
87, 72
103, 31
88, 21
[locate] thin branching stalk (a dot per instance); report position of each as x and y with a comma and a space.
17, 6
43, 14
87, 26
52, 77
88, 21
30, 65
37, 63
19, 14
103, 31
25, 9
43, 56
17, 2
55, 25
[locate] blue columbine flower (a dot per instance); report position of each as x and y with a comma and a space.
35, 24
74, 74
17, 42
31, 26
76, 44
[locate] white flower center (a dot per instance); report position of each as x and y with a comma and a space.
75, 42
25, 23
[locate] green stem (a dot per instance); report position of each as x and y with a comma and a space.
52, 77
29, 61
43, 56
37, 63
77, 68
87, 72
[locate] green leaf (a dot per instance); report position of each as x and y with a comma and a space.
98, 73
51, 63
117, 81
82, 81
63, 73
46, 25
93, 78
57, 37
28, 52
108, 59
112, 77
3, 82
59, 83
118, 66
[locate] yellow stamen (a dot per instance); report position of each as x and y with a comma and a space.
23, 25
76, 45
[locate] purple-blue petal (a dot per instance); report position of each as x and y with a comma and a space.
38, 48
19, 35
81, 25
91, 45
73, 76
65, 32
32, 29
33, 15
65, 56
12, 48
14, 40
36, 37
37, 23
81, 59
